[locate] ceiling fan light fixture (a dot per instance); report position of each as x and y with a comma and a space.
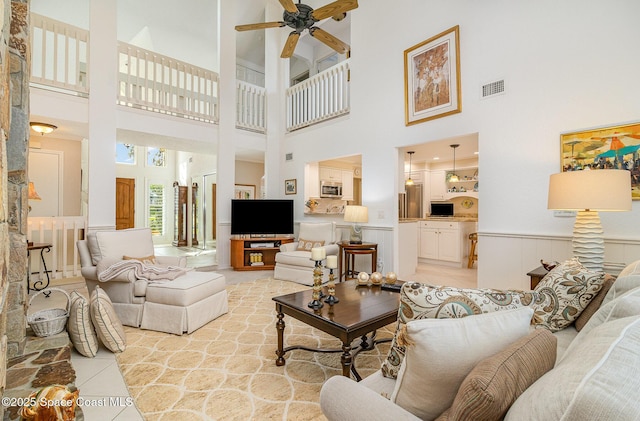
42, 128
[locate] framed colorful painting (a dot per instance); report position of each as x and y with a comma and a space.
612, 147
432, 78
244, 191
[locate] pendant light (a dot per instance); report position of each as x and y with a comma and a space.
454, 177
409, 181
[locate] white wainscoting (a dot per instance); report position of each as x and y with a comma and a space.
504, 259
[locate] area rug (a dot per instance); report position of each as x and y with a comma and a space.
226, 370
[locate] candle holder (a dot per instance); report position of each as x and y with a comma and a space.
331, 288
317, 286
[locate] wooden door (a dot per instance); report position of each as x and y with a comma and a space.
125, 203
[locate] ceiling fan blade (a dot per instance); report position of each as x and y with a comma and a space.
334, 9
289, 6
329, 39
252, 26
290, 45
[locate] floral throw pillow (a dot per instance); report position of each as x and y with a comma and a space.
307, 245
564, 293
422, 301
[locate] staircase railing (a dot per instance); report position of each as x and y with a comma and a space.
61, 232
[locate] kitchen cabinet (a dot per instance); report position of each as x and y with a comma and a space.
438, 185
347, 185
331, 174
444, 241
311, 181
466, 186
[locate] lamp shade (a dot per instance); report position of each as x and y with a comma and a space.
33, 194
596, 190
353, 213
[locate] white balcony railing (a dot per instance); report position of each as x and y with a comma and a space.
321, 97
62, 232
158, 83
59, 55
251, 107
163, 84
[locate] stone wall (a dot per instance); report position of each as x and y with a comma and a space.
14, 137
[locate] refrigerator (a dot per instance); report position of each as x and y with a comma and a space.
410, 202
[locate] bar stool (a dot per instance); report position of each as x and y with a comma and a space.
473, 256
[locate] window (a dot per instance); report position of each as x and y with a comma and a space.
125, 154
156, 157
156, 209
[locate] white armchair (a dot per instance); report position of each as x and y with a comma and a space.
296, 265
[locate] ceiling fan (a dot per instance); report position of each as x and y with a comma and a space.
301, 17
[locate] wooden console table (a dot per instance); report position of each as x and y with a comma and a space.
244, 252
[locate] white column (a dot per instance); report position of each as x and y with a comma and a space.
276, 82
102, 114
227, 123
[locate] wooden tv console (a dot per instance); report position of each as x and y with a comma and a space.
243, 248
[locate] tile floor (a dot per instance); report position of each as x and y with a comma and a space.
99, 379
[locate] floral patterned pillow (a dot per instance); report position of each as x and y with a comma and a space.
307, 245
564, 293
422, 301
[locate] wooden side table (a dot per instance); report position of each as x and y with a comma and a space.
536, 275
348, 253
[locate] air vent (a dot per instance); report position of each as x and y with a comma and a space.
493, 88
288, 157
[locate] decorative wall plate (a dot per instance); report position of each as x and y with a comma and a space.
467, 203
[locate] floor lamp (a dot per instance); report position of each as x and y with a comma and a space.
588, 192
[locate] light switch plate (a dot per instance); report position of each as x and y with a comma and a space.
564, 213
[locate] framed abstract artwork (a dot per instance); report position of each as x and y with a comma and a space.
432, 78
609, 147
290, 186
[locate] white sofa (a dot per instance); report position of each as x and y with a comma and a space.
181, 305
596, 374
296, 265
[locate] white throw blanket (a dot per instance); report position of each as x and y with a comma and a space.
107, 272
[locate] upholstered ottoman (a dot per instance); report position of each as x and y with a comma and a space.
185, 304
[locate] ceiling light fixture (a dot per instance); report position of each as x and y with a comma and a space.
409, 181
43, 128
454, 177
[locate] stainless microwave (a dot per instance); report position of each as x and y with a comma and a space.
330, 189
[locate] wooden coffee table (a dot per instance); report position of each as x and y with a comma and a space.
360, 312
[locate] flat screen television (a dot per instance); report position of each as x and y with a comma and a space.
261, 217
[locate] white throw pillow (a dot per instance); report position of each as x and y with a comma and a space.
440, 353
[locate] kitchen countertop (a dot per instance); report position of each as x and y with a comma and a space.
441, 218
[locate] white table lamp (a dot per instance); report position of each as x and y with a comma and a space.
588, 192
357, 215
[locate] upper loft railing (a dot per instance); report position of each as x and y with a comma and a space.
59, 55
163, 84
154, 82
319, 98
251, 107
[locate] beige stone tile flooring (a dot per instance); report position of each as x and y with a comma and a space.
100, 378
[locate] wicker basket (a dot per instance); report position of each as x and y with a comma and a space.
51, 321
